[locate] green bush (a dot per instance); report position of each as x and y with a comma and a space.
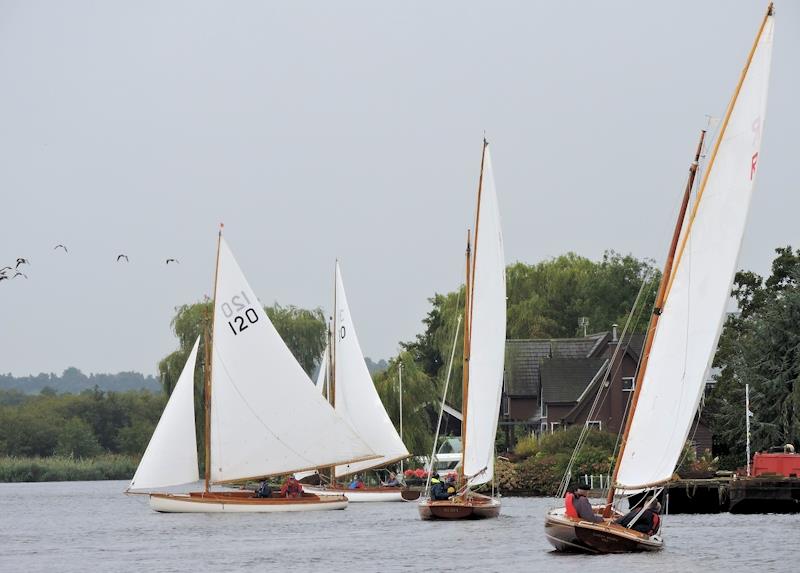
61, 468
527, 447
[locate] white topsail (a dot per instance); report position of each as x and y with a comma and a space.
487, 334
357, 401
266, 416
171, 456
690, 324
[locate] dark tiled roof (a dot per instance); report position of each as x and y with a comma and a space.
633, 343
524, 356
522, 366
564, 379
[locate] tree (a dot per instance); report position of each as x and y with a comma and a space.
76, 439
759, 347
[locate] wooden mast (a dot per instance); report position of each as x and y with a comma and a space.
468, 302
657, 309
332, 362
207, 369
465, 367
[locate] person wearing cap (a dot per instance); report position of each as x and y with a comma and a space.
647, 523
582, 505
438, 490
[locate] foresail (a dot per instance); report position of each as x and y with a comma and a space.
357, 401
266, 416
322, 374
171, 456
488, 334
691, 321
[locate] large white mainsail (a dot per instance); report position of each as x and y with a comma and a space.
266, 416
487, 333
356, 399
171, 456
694, 311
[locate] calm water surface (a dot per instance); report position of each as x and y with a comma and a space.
91, 526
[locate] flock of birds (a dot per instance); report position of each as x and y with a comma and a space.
5, 272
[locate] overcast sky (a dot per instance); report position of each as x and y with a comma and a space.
349, 129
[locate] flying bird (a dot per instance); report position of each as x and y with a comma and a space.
62, 246
173, 261
3, 278
18, 274
22, 261
123, 257
4, 269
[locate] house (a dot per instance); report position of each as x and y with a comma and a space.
550, 384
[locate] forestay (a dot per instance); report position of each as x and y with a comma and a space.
266, 416
692, 317
356, 399
488, 333
171, 456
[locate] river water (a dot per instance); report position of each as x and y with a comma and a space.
92, 526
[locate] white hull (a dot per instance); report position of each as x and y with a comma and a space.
356, 496
190, 504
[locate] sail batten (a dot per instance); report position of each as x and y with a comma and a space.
487, 334
356, 399
266, 416
693, 314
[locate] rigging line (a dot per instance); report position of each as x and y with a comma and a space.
585, 431
444, 397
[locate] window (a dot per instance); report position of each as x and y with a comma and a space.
554, 426
506, 405
595, 424
628, 384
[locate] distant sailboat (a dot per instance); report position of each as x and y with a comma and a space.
355, 399
688, 316
263, 416
484, 356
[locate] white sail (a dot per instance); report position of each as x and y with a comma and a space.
171, 456
692, 318
266, 416
356, 399
488, 334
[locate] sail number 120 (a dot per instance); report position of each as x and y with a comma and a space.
240, 322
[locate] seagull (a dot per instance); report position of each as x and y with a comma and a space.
123, 257
22, 261
173, 261
4, 269
3, 278
62, 246
19, 274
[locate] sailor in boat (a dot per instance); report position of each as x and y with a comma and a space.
648, 522
582, 506
291, 488
438, 489
392, 481
357, 483
569, 503
263, 489
450, 484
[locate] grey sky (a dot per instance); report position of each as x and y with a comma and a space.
316, 130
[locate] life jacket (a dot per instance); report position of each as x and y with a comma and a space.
569, 504
656, 522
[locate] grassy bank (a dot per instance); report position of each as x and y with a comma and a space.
62, 468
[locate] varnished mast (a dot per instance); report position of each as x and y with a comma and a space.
465, 367
332, 362
657, 308
207, 369
468, 301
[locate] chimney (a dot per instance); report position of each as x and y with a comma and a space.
613, 333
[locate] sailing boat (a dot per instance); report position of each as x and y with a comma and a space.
353, 394
687, 319
263, 416
484, 355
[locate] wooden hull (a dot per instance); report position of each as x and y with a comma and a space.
241, 502
474, 506
577, 536
368, 494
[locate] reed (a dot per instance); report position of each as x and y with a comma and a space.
64, 468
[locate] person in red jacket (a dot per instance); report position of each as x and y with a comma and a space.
291, 488
569, 504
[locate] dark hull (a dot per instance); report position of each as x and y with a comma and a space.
575, 536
